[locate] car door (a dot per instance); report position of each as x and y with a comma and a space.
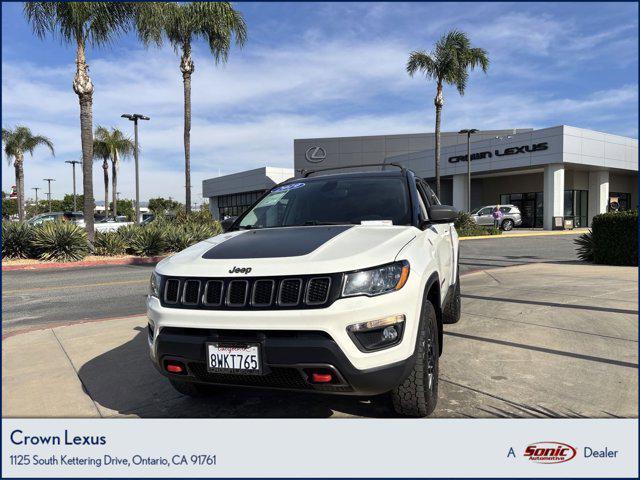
485, 217
443, 240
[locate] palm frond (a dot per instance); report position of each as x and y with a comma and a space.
450, 61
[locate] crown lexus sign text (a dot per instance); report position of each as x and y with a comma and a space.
315, 154
536, 147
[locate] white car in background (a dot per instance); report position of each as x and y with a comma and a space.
109, 225
511, 216
330, 283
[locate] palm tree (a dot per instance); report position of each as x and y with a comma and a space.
111, 145
79, 24
16, 143
449, 62
100, 153
182, 23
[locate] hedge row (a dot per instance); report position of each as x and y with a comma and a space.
615, 238
66, 242
466, 227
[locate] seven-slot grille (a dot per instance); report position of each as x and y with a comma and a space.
258, 293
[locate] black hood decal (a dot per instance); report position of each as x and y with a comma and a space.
275, 242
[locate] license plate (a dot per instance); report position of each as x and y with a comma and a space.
234, 358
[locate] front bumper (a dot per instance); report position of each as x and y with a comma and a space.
289, 358
293, 339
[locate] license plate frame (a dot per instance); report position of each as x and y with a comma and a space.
232, 346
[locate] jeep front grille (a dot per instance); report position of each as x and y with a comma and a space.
318, 290
251, 293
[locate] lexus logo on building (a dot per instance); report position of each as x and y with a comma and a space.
315, 154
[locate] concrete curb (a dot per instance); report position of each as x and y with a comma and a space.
91, 263
532, 234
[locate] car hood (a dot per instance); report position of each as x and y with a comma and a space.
290, 250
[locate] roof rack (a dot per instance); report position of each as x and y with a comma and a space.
306, 173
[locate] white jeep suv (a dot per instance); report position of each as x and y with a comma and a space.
328, 283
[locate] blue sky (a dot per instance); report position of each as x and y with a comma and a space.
323, 69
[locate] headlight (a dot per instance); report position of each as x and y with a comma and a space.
376, 281
154, 285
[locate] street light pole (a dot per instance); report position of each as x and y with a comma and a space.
469, 132
36, 189
134, 118
73, 164
49, 180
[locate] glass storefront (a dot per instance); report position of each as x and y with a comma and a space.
531, 206
575, 207
622, 199
236, 203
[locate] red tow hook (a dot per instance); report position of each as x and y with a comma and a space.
321, 378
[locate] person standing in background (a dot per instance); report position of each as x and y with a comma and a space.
497, 216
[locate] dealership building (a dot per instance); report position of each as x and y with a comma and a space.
557, 176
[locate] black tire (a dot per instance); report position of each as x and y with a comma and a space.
417, 396
189, 389
453, 308
507, 225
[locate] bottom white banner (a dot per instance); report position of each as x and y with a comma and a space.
319, 448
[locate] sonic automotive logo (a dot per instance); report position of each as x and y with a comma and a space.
549, 452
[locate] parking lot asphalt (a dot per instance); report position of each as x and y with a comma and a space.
38, 298
535, 340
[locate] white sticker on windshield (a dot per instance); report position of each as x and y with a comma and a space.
376, 222
271, 199
286, 188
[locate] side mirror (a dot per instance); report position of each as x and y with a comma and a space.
442, 214
227, 222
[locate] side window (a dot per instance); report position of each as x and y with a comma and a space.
423, 200
424, 194
485, 211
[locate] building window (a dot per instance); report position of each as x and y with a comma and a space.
623, 201
530, 206
575, 207
235, 204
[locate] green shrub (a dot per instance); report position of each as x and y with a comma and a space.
60, 241
177, 238
108, 243
149, 241
16, 240
615, 238
585, 246
128, 233
466, 227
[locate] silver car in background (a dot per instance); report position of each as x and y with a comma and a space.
511, 216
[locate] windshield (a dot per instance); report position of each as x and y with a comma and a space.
332, 201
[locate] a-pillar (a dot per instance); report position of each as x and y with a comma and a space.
553, 194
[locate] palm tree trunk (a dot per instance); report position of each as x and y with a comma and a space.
18, 164
187, 68
83, 87
114, 184
438, 102
105, 168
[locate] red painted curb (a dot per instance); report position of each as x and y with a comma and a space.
92, 263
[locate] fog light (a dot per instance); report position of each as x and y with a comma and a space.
390, 333
377, 334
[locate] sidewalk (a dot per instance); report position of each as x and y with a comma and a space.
537, 340
529, 232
